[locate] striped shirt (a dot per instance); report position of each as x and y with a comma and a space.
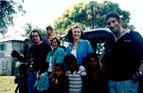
75, 80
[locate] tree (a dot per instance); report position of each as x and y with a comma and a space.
90, 14
7, 11
29, 27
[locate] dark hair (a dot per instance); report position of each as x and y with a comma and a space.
27, 40
49, 27
44, 67
61, 65
112, 14
23, 68
15, 52
70, 59
89, 56
38, 34
69, 34
92, 55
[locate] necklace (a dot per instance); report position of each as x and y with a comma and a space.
74, 46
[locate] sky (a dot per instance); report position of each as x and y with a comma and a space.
43, 12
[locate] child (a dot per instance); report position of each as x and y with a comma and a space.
58, 83
18, 55
95, 83
49, 31
26, 48
76, 74
22, 81
42, 82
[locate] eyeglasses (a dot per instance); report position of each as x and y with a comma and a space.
34, 36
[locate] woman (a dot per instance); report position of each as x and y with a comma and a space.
56, 55
79, 48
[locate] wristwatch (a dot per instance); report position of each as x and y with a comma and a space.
140, 72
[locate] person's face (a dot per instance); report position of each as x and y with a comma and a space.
76, 33
93, 62
113, 24
49, 31
35, 37
54, 44
26, 43
58, 72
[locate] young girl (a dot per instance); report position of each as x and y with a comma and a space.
76, 75
58, 83
95, 83
42, 82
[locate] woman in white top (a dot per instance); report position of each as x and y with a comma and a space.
79, 48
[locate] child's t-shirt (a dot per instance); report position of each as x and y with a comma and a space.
43, 82
75, 79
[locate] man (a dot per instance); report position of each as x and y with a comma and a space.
36, 56
123, 55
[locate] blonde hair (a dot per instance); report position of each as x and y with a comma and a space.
57, 38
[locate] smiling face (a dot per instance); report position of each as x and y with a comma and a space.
49, 31
76, 33
58, 72
26, 43
35, 37
93, 62
113, 25
54, 44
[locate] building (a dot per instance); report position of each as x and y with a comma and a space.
7, 45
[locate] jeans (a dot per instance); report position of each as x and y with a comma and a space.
31, 80
126, 86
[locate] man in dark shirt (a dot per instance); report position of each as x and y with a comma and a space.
36, 56
123, 53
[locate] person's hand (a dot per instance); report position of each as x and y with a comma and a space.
15, 91
135, 77
101, 67
38, 76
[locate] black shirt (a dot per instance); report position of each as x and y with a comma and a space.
123, 55
38, 53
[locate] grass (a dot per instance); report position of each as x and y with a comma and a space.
7, 84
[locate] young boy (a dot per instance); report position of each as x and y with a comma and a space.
26, 48
49, 31
22, 81
75, 73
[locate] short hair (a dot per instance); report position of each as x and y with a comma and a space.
89, 56
69, 34
57, 38
36, 32
92, 55
49, 27
112, 14
70, 59
27, 40
44, 66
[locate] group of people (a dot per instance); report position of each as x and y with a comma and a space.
51, 69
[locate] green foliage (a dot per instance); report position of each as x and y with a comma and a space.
28, 28
9, 8
89, 14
